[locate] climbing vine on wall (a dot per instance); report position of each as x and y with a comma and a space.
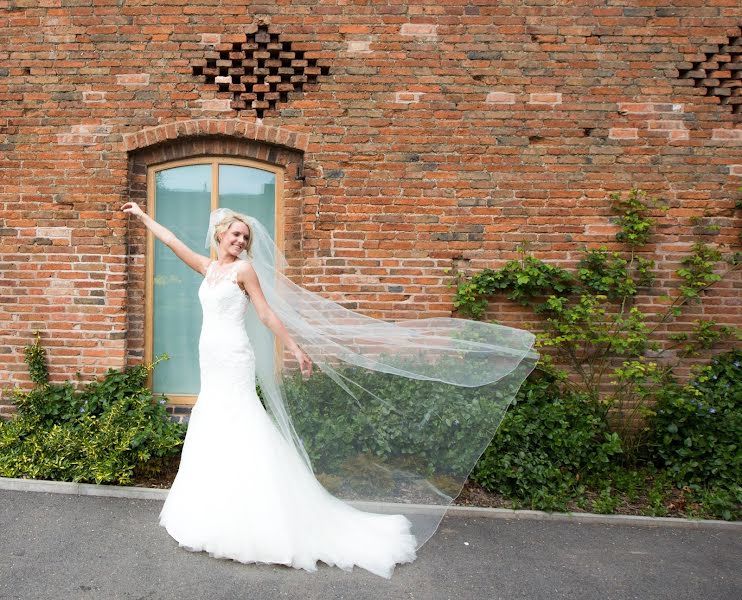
600, 341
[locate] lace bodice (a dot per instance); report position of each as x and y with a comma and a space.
225, 353
221, 296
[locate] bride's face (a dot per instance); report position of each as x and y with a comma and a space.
234, 240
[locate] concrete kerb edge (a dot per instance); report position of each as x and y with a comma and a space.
143, 493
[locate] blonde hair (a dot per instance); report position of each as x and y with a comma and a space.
222, 226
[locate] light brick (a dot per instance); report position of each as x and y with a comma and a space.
407, 97
133, 79
359, 47
211, 39
216, 104
73, 139
623, 133
420, 30
500, 98
727, 134
58, 233
545, 98
679, 135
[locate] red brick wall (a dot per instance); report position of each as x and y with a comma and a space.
446, 134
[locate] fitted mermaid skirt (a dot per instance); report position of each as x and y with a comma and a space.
242, 491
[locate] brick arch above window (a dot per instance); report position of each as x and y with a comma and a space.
232, 128
204, 143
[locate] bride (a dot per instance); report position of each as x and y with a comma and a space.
241, 491
395, 420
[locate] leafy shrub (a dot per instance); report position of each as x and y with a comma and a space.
696, 430
549, 447
443, 435
597, 333
101, 433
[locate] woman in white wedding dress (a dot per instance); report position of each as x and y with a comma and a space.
242, 491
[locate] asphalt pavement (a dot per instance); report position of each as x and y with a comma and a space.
87, 547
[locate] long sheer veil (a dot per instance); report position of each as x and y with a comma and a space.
397, 414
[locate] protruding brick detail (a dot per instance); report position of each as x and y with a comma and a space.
500, 98
550, 98
237, 128
718, 69
420, 30
735, 170
407, 97
259, 69
133, 79
623, 133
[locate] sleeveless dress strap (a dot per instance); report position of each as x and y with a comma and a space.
233, 271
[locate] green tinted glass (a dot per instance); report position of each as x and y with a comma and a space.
249, 191
182, 204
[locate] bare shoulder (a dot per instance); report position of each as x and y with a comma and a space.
245, 271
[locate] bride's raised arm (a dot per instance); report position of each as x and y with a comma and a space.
196, 261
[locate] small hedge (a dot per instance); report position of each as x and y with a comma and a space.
697, 429
101, 433
549, 447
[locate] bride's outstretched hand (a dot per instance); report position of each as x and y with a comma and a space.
133, 209
305, 363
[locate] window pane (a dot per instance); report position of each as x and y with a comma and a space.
182, 204
249, 191
252, 192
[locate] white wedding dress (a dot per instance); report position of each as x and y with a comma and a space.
242, 492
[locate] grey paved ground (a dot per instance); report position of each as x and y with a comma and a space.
63, 546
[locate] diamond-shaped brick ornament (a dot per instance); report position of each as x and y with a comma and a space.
720, 73
259, 72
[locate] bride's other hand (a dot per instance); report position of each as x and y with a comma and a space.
305, 363
133, 209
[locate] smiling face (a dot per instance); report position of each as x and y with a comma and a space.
234, 238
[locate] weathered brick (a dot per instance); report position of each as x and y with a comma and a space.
133, 79
421, 30
428, 145
727, 134
407, 97
500, 98
623, 133
545, 98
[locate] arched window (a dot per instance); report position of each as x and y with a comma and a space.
180, 196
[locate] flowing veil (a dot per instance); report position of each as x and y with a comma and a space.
398, 413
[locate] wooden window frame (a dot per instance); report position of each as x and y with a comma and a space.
214, 161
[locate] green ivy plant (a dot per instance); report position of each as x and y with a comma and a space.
602, 344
